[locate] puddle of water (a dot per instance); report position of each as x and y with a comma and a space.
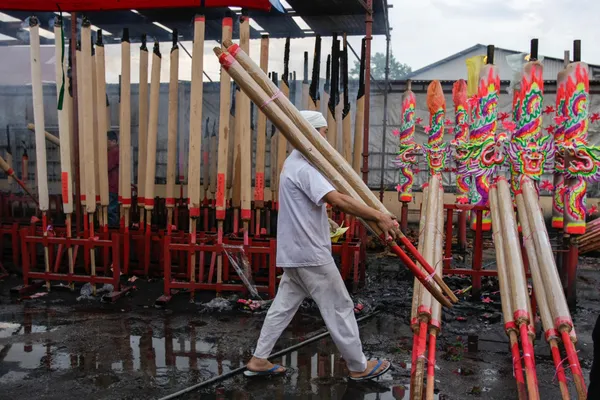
177, 356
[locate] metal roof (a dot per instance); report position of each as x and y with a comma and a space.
323, 17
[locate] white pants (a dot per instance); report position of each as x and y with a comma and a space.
326, 287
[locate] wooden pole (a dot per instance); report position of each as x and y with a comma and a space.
49, 137
64, 111
425, 306
9, 171
325, 148
172, 130
273, 157
102, 129
142, 131
516, 273
541, 296
223, 158
346, 117
285, 90
417, 287
305, 85
359, 120
333, 96
88, 133
326, 89
245, 136
40, 141
206, 161
300, 142
506, 292
150, 164
261, 142
435, 323
214, 151
81, 139
558, 304
195, 142
125, 129
313, 90
96, 114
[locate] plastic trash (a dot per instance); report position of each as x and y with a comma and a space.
238, 259
218, 304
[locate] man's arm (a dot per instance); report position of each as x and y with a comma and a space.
348, 205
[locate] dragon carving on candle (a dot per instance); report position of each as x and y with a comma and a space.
530, 151
436, 151
558, 202
483, 154
406, 159
461, 137
582, 161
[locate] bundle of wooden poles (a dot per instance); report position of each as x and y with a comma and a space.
302, 136
426, 312
590, 241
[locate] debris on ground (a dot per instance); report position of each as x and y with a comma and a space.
254, 305
86, 291
218, 304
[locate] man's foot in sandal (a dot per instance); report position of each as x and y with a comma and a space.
375, 368
262, 367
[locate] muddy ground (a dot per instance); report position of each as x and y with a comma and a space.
55, 347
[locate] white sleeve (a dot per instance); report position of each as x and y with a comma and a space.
313, 184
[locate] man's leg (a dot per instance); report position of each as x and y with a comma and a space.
326, 287
289, 297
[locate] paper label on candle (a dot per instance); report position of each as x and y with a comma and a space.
221, 190
259, 189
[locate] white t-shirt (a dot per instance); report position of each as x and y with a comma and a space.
303, 238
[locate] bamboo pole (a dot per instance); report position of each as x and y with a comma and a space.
231, 144
541, 296
516, 273
172, 130
346, 117
9, 171
313, 90
49, 137
558, 304
359, 120
261, 142
102, 129
96, 141
63, 118
125, 129
300, 142
424, 311
81, 138
245, 137
506, 292
333, 96
88, 133
150, 164
195, 143
222, 162
323, 147
65, 105
305, 86
213, 164
436, 308
417, 287
142, 131
324, 106
206, 162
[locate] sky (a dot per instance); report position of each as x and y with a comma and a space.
424, 32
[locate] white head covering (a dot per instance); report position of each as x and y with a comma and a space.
315, 118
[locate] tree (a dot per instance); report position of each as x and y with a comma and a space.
397, 69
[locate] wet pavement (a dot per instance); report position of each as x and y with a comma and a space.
56, 348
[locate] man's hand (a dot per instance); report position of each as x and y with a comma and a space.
389, 226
